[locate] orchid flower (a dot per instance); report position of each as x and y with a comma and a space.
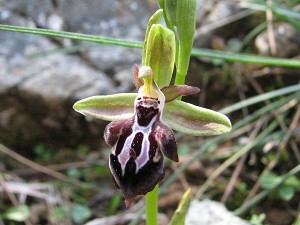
141, 131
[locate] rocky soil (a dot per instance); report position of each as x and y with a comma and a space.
38, 86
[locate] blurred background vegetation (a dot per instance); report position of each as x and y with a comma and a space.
246, 61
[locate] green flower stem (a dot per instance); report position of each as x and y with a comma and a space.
152, 206
166, 10
180, 79
185, 23
205, 53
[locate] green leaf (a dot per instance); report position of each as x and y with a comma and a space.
194, 120
185, 23
107, 107
114, 204
293, 181
80, 213
286, 192
72, 36
170, 11
19, 214
257, 219
160, 54
267, 181
245, 58
58, 213
179, 215
260, 98
205, 53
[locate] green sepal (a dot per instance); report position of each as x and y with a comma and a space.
159, 50
160, 54
180, 116
194, 120
154, 19
107, 107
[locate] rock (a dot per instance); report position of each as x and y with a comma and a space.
78, 75
287, 40
118, 19
210, 16
37, 93
209, 212
71, 76
53, 76
32, 9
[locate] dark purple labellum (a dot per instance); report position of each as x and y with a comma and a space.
136, 161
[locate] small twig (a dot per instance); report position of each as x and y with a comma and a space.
12, 197
36, 166
282, 125
264, 193
204, 148
138, 210
60, 167
270, 29
220, 23
265, 71
242, 95
237, 155
234, 178
293, 126
272, 164
181, 178
32, 189
297, 220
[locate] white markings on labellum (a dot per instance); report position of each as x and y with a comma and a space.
143, 156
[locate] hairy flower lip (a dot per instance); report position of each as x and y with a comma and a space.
139, 143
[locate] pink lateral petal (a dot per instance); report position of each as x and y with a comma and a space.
137, 82
174, 91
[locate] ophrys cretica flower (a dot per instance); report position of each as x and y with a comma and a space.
141, 129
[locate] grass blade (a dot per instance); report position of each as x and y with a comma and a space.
205, 53
260, 98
